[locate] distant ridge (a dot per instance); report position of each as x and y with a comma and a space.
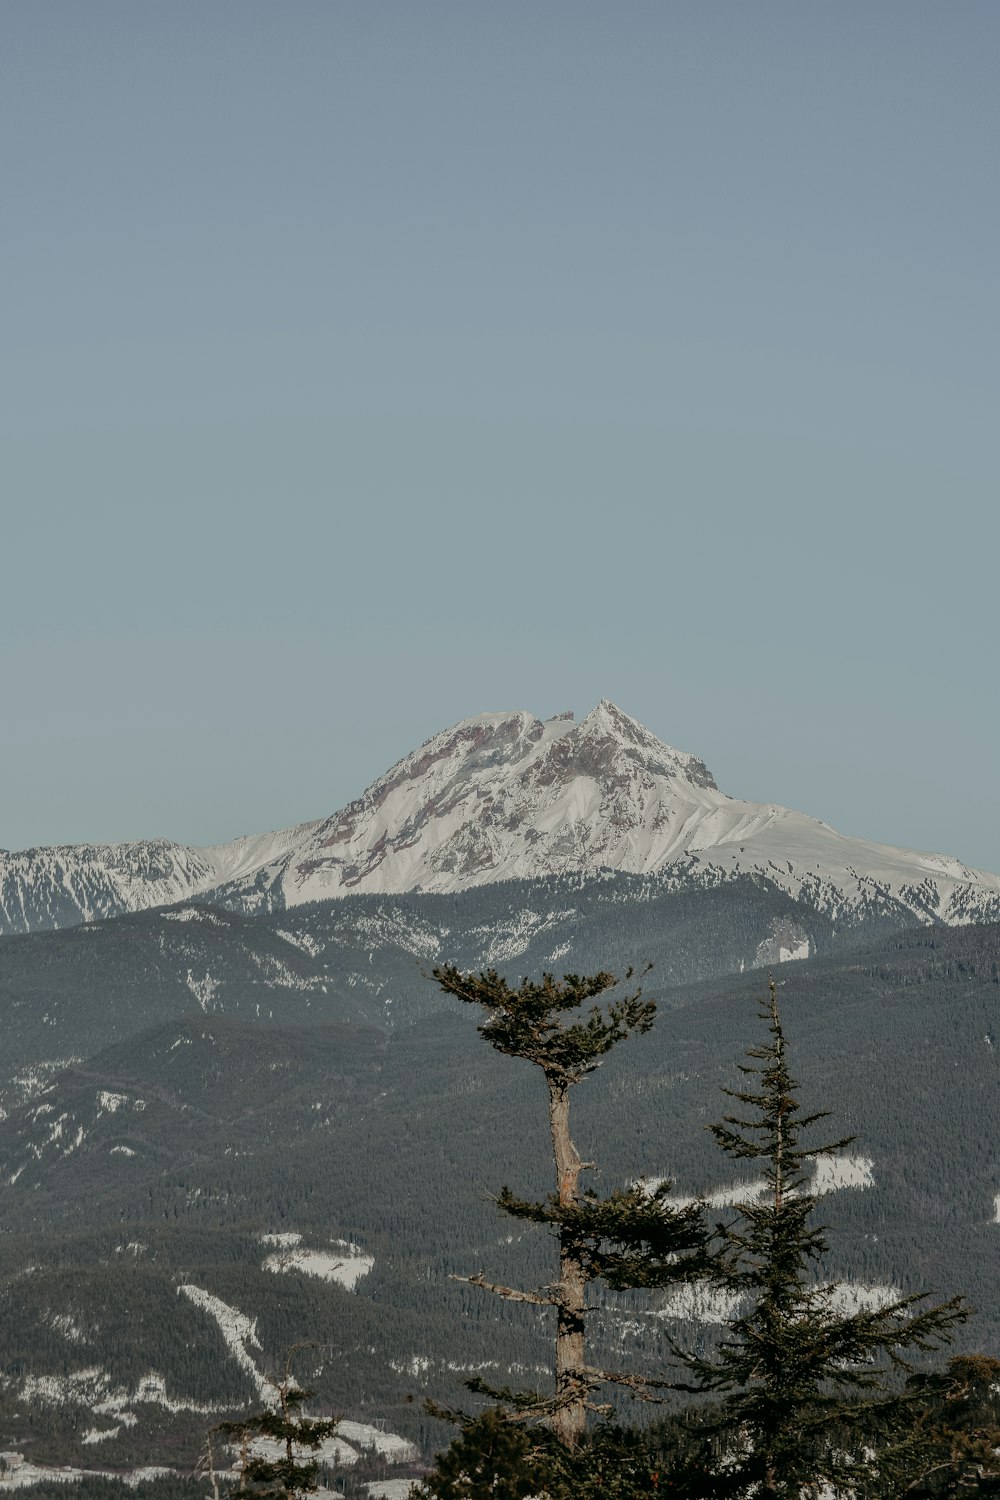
506, 796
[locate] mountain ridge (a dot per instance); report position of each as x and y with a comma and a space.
502, 796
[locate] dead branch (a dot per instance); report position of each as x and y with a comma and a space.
509, 1292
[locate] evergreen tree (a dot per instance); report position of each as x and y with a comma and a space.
954, 1445
496, 1459
805, 1394
271, 1460
492, 1458
629, 1239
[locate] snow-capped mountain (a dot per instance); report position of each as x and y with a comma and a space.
506, 796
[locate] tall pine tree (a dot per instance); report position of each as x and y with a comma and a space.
806, 1399
628, 1239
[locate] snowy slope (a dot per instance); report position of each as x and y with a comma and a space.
71, 883
505, 796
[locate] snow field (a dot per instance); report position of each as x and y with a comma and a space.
830, 1175
238, 1331
21, 1473
343, 1263
395, 1449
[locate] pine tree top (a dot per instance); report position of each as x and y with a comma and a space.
530, 1021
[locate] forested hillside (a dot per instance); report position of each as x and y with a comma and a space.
64, 995
298, 1075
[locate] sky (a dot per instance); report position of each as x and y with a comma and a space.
367, 365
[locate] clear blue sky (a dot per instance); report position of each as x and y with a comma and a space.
366, 365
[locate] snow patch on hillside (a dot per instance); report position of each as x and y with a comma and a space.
57, 1390
20, 1473
152, 1391
344, 1263
395, 1449
238, 1331
346, 1445
330, 1450
850, 1297
831, 1174
59, 1136
66, 1325
417, 1365
787, 942
93, 1388
836, 1172
275, 971
699, 1302
203, 990
789, 955
303, 941
514, 935
721, 1197
31, 1082
390, 927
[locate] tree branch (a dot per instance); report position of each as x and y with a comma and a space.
641, 1386
509, 1292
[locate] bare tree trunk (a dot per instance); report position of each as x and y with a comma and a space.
570, 1418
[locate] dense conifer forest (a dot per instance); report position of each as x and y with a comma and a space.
178, 1087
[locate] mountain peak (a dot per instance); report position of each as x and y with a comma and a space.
610, 714
661, 759
506, 796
